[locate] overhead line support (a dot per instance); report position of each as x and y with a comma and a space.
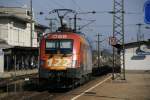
118, 32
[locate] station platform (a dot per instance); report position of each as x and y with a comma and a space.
11, 74
135, 87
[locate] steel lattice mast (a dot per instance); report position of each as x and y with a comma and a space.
118, 33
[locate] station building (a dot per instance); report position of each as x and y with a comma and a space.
137, 55
18, 47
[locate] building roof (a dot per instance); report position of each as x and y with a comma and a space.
133, 44
21, 50
26, 20
13, 7
14, 17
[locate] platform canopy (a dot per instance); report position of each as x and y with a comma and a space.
4, 44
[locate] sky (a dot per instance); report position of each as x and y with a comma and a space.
103, 23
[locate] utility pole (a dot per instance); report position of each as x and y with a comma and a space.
70, 22
75, 22
113, 77
98, 48
75, 18
50, 23
31, 21
139, 35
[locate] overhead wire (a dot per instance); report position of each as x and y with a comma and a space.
111, 12
48, 4
127, 25
79, 8
58, 4
17, 2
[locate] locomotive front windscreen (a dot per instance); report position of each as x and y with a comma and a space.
64, 46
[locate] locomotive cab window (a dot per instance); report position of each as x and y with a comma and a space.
64, 46
50, 44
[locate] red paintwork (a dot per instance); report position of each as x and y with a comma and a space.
77, 41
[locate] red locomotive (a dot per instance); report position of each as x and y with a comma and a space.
65, 58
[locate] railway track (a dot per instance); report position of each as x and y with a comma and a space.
29, 96
3, 82
33, 93
20, 89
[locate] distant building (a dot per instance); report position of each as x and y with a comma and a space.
137, 55
15, 27
15, 38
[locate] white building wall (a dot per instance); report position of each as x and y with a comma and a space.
17, 36
27, 36
4, 29
140, 63
34, 42
1, 61
9, 33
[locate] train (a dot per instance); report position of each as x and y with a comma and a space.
65, 59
